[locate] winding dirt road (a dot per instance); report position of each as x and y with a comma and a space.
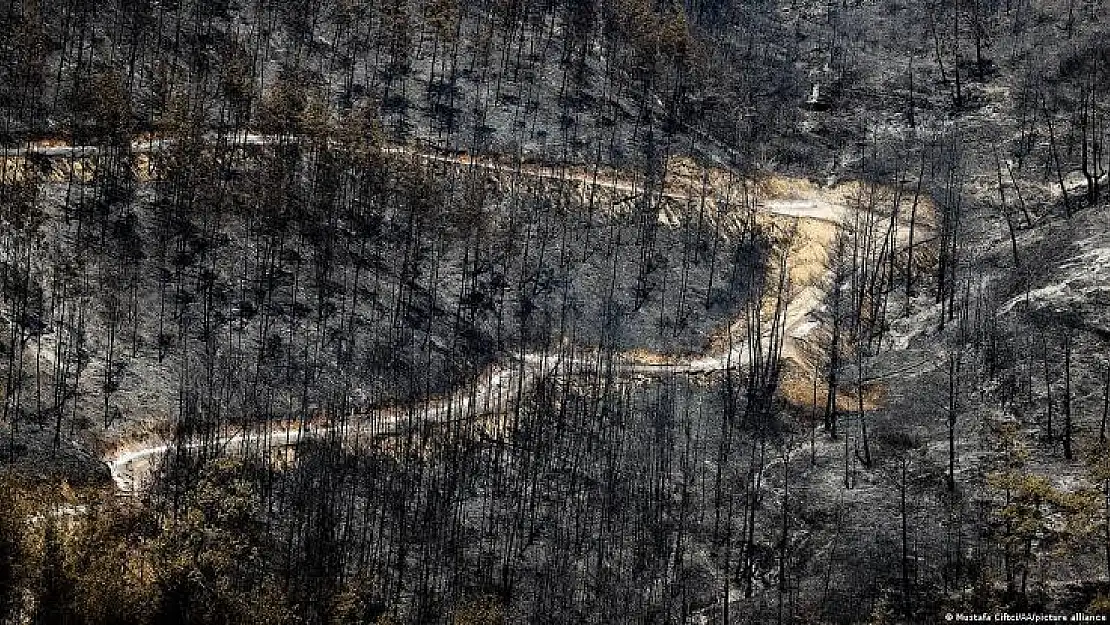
497, 389
494, 392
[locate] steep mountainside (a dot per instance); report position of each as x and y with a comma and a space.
601, 311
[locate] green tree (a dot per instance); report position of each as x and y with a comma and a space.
211, 557
54, 600
13, 551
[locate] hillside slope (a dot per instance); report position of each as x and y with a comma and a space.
577, 312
